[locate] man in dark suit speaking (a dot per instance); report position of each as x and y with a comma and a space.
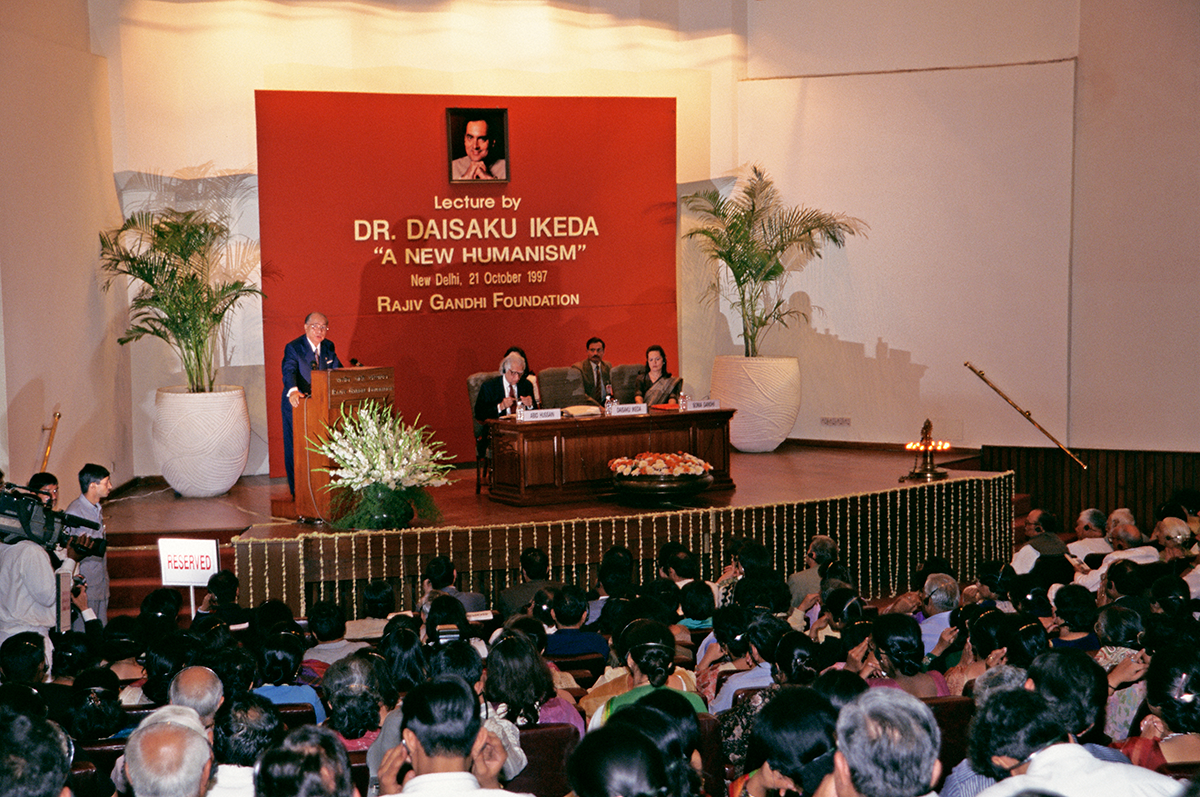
307, 353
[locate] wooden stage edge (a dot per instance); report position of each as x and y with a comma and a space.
884, 527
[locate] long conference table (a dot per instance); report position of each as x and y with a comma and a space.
566, 460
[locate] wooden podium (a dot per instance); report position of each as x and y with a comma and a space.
331, 392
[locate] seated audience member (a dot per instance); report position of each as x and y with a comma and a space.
987, 591
1091, 534
404, 657
615, 580
964, 780
1024, 638
793, 666
158, 614
697, 603
649, 650
532, 628
535, 574
1041, 533
442, 575
445, 743
1125, 584
821, 551
1128, 544
280, 664
198, 688
519, 686
939, 597
611, 762
656, 385
887, 746
763, 635
984, 649
682, 728
165, 656
1175, 539
674, 739
72, 655
677, 563
379, 601
37, 757
1076, 689
309, 762
269, 617
730, 651
122, 646
235, 666
1119, 630
327, 622
244, 728
791, 747
1016, 738
356, 705
221, 600
447, 621
169, 755
1171, 733
569, 610
23, 659
892, 658
94, 709
1075, 612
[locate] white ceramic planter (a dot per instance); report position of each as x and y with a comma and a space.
201, 440
765, 391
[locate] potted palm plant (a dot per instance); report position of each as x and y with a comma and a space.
754, 243
187, 275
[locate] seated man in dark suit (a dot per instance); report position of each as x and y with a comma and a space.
307, 353
499, 395
597, 374
441, 575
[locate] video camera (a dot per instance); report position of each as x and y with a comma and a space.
24, 515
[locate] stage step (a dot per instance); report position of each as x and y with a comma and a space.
134, 573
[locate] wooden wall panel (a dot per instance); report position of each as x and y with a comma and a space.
1138, 480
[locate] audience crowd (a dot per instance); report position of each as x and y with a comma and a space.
1080, 659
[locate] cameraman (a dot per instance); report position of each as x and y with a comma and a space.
28, 590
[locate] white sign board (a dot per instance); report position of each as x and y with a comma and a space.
542, 415
629, 409
703, 404
187, 563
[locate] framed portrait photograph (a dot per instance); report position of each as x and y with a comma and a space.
477, 140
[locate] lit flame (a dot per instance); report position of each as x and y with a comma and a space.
932, 445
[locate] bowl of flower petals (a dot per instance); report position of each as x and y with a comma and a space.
660, 477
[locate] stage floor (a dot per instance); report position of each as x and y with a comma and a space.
793, 472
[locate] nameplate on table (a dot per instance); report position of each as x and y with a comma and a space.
542, 415
703, 404
629, 409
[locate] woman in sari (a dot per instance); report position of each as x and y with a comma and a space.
657, 386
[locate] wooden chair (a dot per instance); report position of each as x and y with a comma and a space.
297, 714
547, 746
712, 755
742, 695
483, 449
585, 668
953, 715
360, 773
83, 780
102, 754
1180, 770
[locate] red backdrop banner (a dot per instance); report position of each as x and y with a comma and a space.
359, 220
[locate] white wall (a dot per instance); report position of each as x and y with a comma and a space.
59, 329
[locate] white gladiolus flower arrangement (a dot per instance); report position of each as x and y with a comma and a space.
382, 467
